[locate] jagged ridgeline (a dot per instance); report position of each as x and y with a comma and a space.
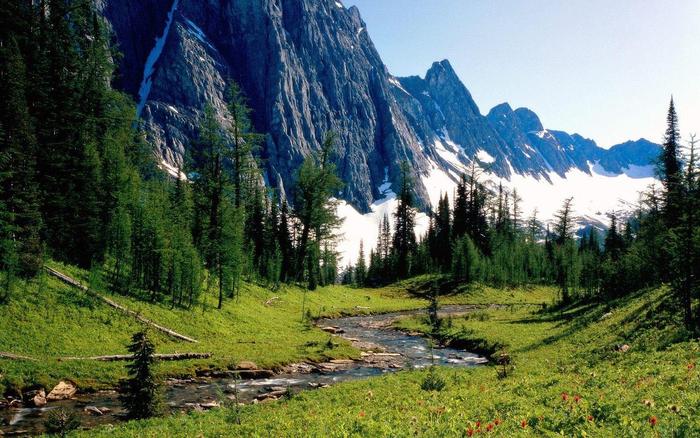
308, 67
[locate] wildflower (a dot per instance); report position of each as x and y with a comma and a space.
564, 396
648, 403
652, 421
691, 366
590, 418
523, 424
478, 424
489, 427
577, 398
470, 432
361, 414
675, 408
497, 421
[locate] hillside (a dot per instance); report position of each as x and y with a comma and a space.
47, 320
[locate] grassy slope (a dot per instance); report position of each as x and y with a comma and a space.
562, 351
47, 319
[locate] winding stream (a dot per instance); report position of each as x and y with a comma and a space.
384, 350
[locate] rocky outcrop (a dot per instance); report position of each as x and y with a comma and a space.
309, 67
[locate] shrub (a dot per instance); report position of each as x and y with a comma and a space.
432, 381
61, 421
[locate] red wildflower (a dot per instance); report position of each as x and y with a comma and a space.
470, 432
478, 424
652, 421
590, 418
489, 427
564, 396
523, 424
691, 366
361, 414
577, 398
497, 421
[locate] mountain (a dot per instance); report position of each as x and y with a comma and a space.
308, 67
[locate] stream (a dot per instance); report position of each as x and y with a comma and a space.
383, 350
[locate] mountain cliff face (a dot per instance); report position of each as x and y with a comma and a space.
309, 67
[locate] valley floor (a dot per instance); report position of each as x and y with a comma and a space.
621, 369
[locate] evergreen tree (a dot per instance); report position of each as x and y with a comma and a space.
18, 180
442, 247
243, 143
140, 391
670, 167
218, 221
459, 227
316, 210
285, 244
565, 250
404, 242
361, 267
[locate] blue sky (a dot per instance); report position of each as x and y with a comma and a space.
602, 68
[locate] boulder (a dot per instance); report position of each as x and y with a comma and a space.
63, 391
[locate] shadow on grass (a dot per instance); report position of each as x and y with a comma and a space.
576, 317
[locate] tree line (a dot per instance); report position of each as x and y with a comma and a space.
80, 184
483, 237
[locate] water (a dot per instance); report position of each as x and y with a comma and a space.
368, 332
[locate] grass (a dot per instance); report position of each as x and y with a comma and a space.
570, 379
46, 319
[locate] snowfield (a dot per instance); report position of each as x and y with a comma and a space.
594, 195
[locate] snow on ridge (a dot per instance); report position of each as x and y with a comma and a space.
153, 56
395, 82
339, 5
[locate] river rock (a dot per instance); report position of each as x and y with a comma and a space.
37, 398
342, 361
94, 410
272, 394
247, 365
333, 330
299, 368
210, 405
63, 391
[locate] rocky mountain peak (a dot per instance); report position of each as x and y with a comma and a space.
529, 120
309, 67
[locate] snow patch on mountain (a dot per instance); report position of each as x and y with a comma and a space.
358, 227
484, 157
153, 56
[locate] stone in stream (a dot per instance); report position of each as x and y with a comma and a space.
93, 410
272, 394
36, 398
63, 391
333, 330
299, 368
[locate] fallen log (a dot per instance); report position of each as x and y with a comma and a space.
164, 357
12, 356
75, 283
